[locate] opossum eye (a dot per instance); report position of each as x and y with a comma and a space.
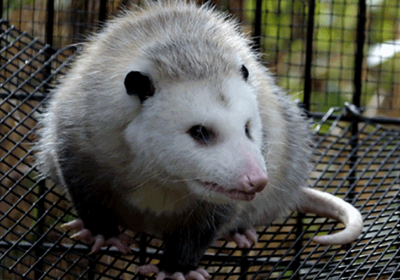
247, 130
201, 134
245, 72
139, 84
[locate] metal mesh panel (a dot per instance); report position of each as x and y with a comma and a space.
358, 161
70, 20
333, 49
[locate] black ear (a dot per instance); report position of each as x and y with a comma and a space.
245, 72
139, 84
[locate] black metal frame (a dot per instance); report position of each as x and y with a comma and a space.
342, 161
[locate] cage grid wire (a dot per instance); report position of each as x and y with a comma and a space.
357, 161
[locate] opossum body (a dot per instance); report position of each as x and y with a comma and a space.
168, 123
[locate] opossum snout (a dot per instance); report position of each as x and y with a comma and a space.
253, 176
254, 182
245, 188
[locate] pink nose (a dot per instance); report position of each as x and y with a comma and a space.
254, 182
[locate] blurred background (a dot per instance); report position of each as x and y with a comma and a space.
290, 34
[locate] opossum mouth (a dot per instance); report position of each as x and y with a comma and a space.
232, 193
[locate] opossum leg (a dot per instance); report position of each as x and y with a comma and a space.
121, 242
243, 237
100, 226
183, 250
187, 243
90, 190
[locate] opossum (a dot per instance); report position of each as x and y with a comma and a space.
169, 123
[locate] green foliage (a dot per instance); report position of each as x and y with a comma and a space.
18, 4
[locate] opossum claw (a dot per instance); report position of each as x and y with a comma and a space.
330, 206
97, 244
121, 242
74, 225
251, 236
83, 235
243, 240
147, 269
176, 276
203, 272
198, 274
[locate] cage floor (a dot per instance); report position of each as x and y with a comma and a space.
357, 161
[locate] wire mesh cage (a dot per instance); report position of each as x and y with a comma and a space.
355, 157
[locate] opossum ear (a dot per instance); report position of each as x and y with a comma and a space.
139, 84
245, 72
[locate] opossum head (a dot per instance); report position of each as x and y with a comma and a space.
199, 132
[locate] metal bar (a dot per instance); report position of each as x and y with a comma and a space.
49, 33
358, 63
309, 52
22, 96
102, 12
50, 22
380, 120
257, 25
352, 165
142, 252
151, 253
38, 246
244, 265
359, 54
306, 104
317, 115
92, 266
298, 245
1, 8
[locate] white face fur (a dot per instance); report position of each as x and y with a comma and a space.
202, 137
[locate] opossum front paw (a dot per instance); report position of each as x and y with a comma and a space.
243, 238
198, 274
121, 242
